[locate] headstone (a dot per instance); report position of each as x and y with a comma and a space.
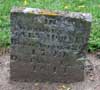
48, 45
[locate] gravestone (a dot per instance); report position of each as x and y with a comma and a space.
48, 45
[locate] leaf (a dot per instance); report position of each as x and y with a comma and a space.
66, 7
36, 84
25, 2
81, 6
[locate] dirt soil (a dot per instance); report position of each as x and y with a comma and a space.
91, 82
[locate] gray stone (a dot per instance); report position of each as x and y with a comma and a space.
48, 45
98, 55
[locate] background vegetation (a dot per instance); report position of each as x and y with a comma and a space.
90, 6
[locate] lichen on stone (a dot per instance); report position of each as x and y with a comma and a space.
46, 12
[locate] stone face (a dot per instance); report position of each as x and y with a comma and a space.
48, 45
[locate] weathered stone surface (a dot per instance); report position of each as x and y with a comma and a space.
48, 45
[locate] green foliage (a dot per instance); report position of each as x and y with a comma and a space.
90, 6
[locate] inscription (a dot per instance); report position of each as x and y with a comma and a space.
51, 41
55, 69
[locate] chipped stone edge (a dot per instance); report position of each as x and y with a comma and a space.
78, 15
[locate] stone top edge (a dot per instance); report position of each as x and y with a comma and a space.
78, 15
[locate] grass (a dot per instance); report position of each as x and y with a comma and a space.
90, 6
